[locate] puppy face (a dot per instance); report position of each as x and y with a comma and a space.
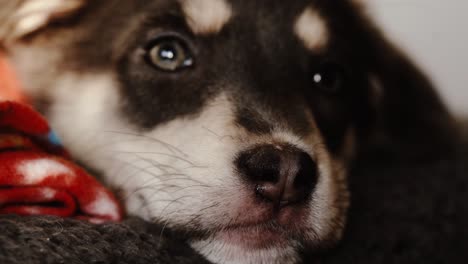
231, 120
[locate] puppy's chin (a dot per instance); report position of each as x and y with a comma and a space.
269, 242
233, 247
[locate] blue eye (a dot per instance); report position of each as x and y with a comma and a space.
169, 54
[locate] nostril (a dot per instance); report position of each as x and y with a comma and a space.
307, 173
303, 182
260, 164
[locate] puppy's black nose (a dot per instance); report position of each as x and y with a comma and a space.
281, 174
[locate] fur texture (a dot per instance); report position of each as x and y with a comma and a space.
167, 137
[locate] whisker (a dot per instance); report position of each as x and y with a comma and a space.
162, 154
164, 185
220, 138
170, 147
146, 185
175, 201
162, 232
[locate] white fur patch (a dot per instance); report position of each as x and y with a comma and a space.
35, 14
35, 171
218, 252
311, 29
206, 16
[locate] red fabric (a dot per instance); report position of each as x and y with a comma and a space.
36, 175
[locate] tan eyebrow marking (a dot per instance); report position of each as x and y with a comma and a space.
206, 17
311, 28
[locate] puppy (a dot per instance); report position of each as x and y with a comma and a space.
233, 121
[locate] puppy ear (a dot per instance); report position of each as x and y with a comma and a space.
409, 112
21, 18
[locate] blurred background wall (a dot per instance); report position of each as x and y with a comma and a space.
435, 34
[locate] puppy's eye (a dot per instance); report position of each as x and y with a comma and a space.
169, 54
329, 78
